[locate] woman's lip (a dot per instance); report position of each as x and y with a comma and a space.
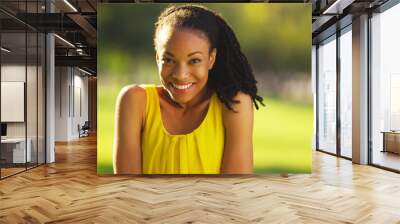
180, 91
182, 83
182, 86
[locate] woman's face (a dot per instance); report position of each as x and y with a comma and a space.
184, 60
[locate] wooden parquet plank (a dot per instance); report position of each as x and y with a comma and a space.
70, 191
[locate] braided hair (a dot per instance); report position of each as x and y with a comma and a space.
231, 72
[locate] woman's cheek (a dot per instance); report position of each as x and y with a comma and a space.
165, 72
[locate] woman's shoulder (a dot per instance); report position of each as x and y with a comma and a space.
132, 97
132, 91
238, 122
245, 104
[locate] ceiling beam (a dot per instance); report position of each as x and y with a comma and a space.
83, 61
86, 26
337, 7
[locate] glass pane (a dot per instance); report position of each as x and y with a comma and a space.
346, 94
31, 97
327, 96
313, 84
386, 89
22, 79
32, 85
41, 98
14, 153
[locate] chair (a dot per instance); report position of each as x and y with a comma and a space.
84, 130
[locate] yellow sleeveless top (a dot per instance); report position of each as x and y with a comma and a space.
198, 152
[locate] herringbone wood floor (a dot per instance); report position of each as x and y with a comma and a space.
69, 191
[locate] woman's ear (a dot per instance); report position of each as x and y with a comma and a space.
213, 56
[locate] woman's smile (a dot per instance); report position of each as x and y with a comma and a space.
181, 88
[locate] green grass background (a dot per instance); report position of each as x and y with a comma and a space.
276, 40
282, 134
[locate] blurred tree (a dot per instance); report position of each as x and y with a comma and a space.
274, 37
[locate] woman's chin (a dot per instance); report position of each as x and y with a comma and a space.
179, 99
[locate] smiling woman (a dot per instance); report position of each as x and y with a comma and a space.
200, 120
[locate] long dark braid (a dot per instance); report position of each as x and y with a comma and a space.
231, 72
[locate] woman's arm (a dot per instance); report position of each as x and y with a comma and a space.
129, 119
238, 150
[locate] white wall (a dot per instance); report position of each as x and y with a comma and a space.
13, 73
62, 81
71, 102
33, 126
16, 73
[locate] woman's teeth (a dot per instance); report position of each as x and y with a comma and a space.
182, 86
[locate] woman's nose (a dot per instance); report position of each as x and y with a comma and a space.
181, 72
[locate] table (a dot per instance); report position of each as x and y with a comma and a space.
391, 141
15, 148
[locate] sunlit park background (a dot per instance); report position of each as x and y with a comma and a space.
275, 38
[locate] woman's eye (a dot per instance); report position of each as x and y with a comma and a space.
167, 61
195, 61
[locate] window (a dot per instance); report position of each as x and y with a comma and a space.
346, 92
385, 88
327, 95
